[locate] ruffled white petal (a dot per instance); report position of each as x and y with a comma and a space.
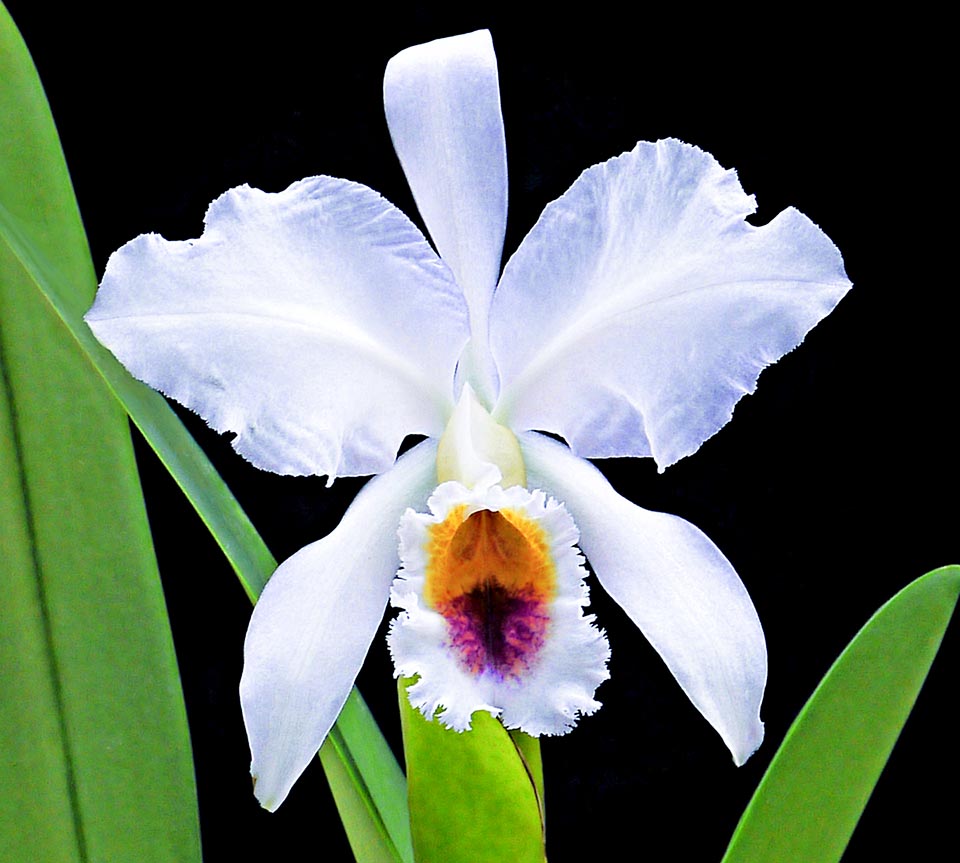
316, 323
442, 102
675, 585
643, 294
313, 625
560, 682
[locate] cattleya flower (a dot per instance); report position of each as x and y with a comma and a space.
320, 327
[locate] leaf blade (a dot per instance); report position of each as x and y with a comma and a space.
98, 764
378, 773
472, 797
24, 650
812, 795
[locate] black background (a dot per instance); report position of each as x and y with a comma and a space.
830, 489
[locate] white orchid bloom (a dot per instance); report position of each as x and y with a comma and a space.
320, 326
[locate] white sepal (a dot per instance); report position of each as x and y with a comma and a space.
642, 306
313, 625
316, 323
442, 102
675, 585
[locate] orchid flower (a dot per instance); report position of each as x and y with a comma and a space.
321, 327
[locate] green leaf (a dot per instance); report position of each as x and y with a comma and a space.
812, 795
67, 284
96, 762
376, 770
472, 795
368, 841
362, 771
529, 749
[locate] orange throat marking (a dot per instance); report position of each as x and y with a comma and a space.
492, 577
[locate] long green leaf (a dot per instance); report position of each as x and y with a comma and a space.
370, 757
473, 796
368, 840
812, 795
96, 763
68, 293
351, 761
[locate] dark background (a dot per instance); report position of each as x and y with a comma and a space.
828, 491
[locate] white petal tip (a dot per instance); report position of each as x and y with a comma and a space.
742, 754
268, 802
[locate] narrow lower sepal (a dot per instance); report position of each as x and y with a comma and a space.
313, 625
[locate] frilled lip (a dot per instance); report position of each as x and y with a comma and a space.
492, 596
